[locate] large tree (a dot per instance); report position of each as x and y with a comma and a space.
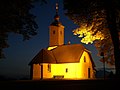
100, 16
15, 17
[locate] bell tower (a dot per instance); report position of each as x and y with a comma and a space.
56, 31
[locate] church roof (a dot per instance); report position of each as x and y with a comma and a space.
62, 54
56, 23
44, 56
68, 53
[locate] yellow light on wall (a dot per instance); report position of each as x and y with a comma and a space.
50, 48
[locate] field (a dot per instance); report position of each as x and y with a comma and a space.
97, 84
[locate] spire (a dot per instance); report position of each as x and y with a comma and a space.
56, 21
56, 8
56, 17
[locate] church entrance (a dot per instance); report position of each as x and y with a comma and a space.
88, 72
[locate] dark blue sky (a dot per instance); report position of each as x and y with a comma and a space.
20, 53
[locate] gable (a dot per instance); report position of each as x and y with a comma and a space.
87, 55
93, 64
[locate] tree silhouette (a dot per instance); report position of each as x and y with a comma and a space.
88, 11
15, 17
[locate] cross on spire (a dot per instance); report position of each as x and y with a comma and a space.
56, 8
56, 17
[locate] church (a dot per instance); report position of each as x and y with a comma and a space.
59, 60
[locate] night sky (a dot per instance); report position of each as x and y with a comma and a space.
20, 53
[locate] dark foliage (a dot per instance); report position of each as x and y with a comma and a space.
15, 17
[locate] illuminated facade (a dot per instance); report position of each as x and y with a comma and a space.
70, 61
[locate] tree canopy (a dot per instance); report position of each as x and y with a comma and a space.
15, 17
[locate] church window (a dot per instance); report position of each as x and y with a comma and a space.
66, 70
54, 32
60, 32
84, 59
49, 67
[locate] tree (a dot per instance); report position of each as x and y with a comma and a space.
98, 16
15, 17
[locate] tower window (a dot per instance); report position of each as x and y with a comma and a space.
54, 32
60, 32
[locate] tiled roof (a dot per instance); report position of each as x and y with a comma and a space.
62, 54
44, 56
68, 53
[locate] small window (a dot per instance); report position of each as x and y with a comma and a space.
54, 32
66, 70
49, 67
84, 59
60, 32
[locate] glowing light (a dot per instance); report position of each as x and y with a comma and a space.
74, 70
78, 70
50, 48
86, 34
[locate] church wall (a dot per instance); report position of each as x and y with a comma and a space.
86, 63
68, 70
47, 70
36, 72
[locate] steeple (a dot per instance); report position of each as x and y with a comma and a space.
56, 8
56, 21
56, 17
56, 30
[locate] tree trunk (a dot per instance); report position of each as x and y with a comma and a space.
111, 18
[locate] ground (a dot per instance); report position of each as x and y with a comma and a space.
97, 84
